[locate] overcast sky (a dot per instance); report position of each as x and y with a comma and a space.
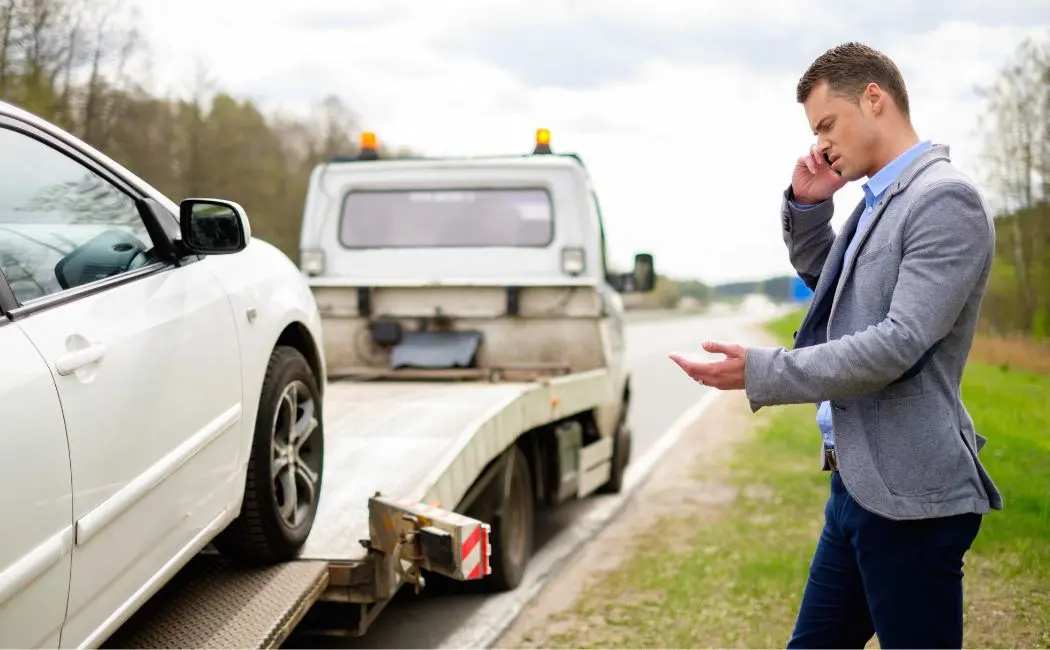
683, 111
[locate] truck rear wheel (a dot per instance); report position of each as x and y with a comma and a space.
620, 459
285, 467
512, 527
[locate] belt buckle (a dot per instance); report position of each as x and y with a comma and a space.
831, 460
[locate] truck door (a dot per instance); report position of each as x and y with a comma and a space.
35, 495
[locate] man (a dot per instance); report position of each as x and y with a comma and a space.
881, 351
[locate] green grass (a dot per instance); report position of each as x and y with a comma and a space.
784, 327
1011, 410
733, 578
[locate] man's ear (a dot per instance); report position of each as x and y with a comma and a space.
874, 98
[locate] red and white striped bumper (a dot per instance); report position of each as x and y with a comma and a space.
439, 540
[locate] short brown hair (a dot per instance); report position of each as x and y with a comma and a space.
849, 68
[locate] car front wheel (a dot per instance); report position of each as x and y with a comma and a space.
285, 467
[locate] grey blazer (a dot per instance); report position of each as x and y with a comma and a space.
886, 339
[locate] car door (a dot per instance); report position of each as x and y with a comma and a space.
145, 358
35, 494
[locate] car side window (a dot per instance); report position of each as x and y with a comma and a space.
61, 224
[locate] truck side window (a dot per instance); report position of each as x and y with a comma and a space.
61, 224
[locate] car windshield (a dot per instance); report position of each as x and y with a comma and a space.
518, 217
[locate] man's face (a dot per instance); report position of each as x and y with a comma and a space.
845, 131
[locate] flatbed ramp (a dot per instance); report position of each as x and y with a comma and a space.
214, 604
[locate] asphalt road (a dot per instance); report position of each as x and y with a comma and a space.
661, 393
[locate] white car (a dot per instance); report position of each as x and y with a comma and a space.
161, 389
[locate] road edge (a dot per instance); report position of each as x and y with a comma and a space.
486, 625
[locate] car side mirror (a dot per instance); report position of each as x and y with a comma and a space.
213, 226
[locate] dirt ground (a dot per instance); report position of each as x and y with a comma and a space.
703, 450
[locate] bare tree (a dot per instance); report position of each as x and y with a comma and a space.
1017, 155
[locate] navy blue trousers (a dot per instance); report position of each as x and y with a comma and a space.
899, 580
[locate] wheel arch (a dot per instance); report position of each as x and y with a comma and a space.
296, 335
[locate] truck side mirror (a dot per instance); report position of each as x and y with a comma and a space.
641, 280
644, 275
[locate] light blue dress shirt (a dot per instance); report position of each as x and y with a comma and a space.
873, 191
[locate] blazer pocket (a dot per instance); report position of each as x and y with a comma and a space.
870, 256
918, 449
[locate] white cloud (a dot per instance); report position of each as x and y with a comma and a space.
689, 148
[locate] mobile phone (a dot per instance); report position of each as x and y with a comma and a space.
827, 159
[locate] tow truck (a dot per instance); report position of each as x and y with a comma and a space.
476, 371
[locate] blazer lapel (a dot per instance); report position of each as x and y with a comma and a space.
829, 275
876, 212
836, 255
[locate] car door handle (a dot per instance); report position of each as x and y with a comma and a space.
70, 362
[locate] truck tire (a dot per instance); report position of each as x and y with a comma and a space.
278, 513
512, 528
620, 459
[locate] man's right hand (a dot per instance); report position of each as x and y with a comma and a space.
813, 181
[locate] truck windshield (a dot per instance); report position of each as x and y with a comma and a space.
517, 217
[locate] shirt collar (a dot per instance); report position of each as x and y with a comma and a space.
882, 179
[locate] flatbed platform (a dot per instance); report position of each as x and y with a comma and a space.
423, 441
214, 604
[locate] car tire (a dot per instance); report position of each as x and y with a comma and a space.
288, 445
513, 528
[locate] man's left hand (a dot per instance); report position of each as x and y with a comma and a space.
725, 374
